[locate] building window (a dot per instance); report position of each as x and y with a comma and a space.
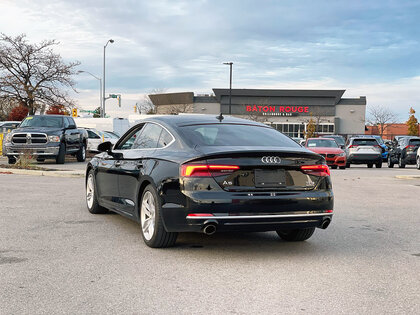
298, 130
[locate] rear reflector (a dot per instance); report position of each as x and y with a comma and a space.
317, 170
200, 215
328, 211
195, 170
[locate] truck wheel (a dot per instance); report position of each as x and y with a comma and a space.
297, 235
370, 165
401, 164
61, 154
378, 165
11, 159
152, 229
81, 154
91, 198
389, 161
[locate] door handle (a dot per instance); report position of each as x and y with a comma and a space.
139, 165
117, 163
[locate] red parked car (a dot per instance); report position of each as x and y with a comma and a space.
329, 149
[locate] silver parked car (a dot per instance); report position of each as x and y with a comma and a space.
363, 150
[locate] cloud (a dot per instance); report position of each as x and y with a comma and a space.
366, 47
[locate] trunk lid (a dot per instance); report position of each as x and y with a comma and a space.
260, 169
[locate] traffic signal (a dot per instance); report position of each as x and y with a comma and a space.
74, 112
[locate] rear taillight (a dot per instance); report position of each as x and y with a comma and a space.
200, 170
317, 170
353, 146
411, 147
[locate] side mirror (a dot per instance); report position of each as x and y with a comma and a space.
107, 147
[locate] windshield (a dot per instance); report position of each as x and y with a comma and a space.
322, 143
339, 140
379, 139
42, 121
236, 135
110, 135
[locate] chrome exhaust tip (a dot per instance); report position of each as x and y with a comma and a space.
209, 229
325, 223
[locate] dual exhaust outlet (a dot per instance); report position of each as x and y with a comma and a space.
211, 227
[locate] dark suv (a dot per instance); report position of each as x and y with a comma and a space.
403, 151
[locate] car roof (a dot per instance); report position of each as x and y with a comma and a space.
184, 120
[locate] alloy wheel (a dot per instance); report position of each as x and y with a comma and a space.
90, 191
148, 215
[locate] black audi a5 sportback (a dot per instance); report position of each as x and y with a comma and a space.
202, 173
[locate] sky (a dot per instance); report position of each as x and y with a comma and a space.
369, 48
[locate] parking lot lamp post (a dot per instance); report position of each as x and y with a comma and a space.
230, 85
103, 89
100, 87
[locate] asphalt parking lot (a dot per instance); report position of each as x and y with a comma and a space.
55, 257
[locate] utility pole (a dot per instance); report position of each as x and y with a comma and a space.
103, 81
230, 86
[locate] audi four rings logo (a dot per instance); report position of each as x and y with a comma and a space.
271, 159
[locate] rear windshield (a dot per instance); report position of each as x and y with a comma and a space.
323, 143
365, 142
415, 142
236, 135
42, 121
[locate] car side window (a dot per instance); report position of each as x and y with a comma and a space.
165, 139
128, 141
92, 135
149, 137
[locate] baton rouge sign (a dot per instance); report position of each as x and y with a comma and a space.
276, 109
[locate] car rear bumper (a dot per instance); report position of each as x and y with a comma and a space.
337, 161
364, 158
251, 213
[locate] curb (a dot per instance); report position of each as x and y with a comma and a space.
407, 176
43, 173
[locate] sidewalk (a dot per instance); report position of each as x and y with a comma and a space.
71, 168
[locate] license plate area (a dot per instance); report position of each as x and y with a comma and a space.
270, 178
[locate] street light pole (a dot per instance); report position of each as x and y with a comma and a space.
100, 86
103, 81
230, 86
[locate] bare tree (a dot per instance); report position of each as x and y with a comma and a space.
381, 117
33, 74
179, 108
145, 105
6, 106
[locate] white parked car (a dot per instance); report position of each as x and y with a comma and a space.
96, 137
418, 159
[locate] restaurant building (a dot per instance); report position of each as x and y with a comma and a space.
289, 111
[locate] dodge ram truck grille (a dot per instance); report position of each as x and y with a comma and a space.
29, 138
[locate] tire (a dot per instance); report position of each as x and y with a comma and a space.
11, 159
60, 158
401, 164
91, 196
151, 223
370, 165
297, 235
389, 162
81, 154
334, 167
418, 163
342, 167
378, 165
347, 165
